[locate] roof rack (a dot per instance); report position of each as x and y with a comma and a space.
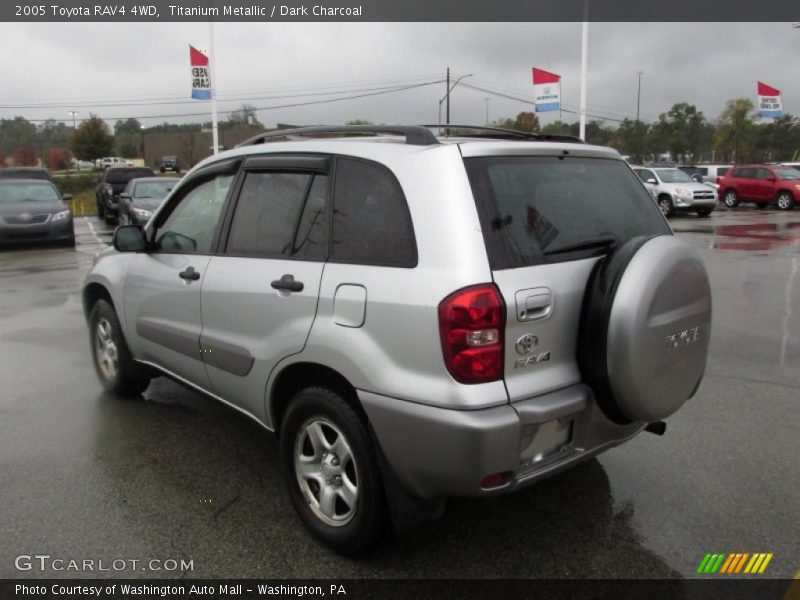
414, 134
498, 132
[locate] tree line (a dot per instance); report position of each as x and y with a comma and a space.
683, 133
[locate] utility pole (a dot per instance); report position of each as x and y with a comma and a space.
639, 94
447, 113
487, 111
73, 114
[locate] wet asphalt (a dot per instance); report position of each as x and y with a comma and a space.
84, 475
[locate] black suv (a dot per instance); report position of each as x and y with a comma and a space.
111, 185
169, 163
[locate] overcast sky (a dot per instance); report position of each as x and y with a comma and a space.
700, 63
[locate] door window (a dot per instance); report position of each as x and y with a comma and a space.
281, 215
191, 225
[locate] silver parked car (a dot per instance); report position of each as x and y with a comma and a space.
674, 190
413, 316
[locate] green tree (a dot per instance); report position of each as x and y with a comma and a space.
92, 139
359, 122
632, 139
735, 130
130, 126
683, 130
561, 128
15, 132
525, 121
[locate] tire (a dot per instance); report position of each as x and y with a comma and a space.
109, 219
703, 212
644, 329
784, 201
340, 499
666, 206
115, 367
730, 199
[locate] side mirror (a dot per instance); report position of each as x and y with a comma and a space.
651, 180
66, 197
125, 197
130, 238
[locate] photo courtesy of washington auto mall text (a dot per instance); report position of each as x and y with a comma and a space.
384, 299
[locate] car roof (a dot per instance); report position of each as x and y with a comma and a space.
153, 179
10, 181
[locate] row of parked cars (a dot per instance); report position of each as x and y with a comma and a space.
698, 188
130, 195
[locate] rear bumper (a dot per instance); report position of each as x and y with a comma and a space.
436, 452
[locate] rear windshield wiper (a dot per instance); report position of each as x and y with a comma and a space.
598, 242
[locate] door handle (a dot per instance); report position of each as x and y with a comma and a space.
189, 274
288, 284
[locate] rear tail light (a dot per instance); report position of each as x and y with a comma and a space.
471, 326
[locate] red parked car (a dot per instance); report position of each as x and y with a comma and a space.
762, 184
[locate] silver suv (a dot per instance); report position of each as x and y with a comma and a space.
414, 316
674, 190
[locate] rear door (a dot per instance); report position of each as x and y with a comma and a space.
545, 221
763, 187
260, 293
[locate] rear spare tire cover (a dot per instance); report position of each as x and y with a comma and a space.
645, 328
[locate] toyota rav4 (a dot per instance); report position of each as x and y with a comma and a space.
414, 316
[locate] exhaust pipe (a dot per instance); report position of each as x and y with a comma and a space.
658, 427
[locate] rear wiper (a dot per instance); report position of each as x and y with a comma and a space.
598, 242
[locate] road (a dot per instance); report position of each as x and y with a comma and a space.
84, 475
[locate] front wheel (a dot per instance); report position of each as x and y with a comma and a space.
784, 201
117, 370
731, 199
331, 471
666, 206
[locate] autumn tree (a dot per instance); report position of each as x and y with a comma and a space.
92, 139
25, 156
59, 159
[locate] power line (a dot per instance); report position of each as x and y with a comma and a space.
274, 107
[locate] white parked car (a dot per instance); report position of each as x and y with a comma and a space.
111, 161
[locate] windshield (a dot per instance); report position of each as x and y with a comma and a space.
788, 173
153, 189
545, 209
22, 192
674, 176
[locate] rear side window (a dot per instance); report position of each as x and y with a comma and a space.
721, 171
281, 214
371, 222
536, 210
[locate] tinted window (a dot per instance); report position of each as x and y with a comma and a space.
273, 218
762, 173
532, 208
744, 173
722, 171
645, 175
125, 175
371, 223
190, 226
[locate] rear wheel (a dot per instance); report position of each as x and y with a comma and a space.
666, 206
731, 199
784, 201
117, 370
331, 471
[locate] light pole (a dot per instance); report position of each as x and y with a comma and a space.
73, 114
447, 97
639, 94
487, 111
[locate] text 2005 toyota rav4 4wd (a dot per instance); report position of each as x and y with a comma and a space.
414, 316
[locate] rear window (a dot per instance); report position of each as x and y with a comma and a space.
534, 209
125, 175
25, 174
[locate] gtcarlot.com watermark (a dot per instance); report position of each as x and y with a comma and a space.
48, 563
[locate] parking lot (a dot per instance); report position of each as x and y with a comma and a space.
179, 476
